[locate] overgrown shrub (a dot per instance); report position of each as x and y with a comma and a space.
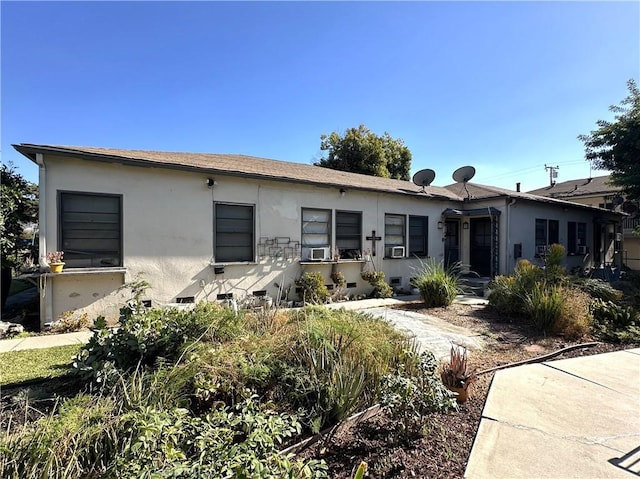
314, 291
615, 322
144, 336
381, 289
575, 318
504, 296
597, 289
438, 285
410, 395
129, 434
543, 305
328, 363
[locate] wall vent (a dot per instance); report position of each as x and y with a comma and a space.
397, 281
352, 285
186, 299
224, 296
260, 293
146, 303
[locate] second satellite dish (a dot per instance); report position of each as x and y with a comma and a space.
424, 178
464, 174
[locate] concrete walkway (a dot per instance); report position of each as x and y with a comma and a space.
431, 333
44, 341
572, 418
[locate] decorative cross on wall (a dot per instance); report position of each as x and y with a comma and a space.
373, 238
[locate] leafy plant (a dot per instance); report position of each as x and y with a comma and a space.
410, 395
438, 285
381, 289
615, 322
597, 289
314, 290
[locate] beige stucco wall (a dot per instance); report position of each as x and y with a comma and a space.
168, 232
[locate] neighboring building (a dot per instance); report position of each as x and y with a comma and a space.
212, 227
599, 192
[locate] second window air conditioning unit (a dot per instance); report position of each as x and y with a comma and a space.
318, 254
582, 250
397, 252
541, 250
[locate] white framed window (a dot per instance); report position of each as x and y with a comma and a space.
234, 231
394, 234
316, 231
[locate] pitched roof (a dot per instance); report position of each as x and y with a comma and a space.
480, 192
240, 165
580, 187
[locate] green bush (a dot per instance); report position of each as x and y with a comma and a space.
597, 289
314, 291
410, 395
145, 336
615, 322
128, 434
381, 289
438, 285
504, 297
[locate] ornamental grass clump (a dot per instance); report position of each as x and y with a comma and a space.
438, 285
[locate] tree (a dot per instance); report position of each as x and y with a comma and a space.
615, 145
19, 206
361, 151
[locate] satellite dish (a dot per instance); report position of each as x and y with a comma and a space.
424, 178
463, 174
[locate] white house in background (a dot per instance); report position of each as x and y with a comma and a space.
212, 226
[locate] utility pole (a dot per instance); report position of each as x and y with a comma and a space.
553, 173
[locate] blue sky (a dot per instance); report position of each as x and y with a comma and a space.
503, 86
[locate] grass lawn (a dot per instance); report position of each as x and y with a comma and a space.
20, 366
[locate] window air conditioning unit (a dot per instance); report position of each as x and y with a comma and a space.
397, 252
541, 250
582, 250
318, 254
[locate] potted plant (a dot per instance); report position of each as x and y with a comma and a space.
54, 258
456, 375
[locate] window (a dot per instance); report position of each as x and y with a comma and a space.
233, 233
576, 237
394, 232
316, 230
547, 233
90, 229
348, 234
418, 235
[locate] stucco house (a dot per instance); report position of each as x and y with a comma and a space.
214, 226
598, 191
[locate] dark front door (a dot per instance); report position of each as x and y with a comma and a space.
480, 254
451, 242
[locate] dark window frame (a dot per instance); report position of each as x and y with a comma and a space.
303, 235
576, 236
412, 238
341, 237
61, 237
216, 254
